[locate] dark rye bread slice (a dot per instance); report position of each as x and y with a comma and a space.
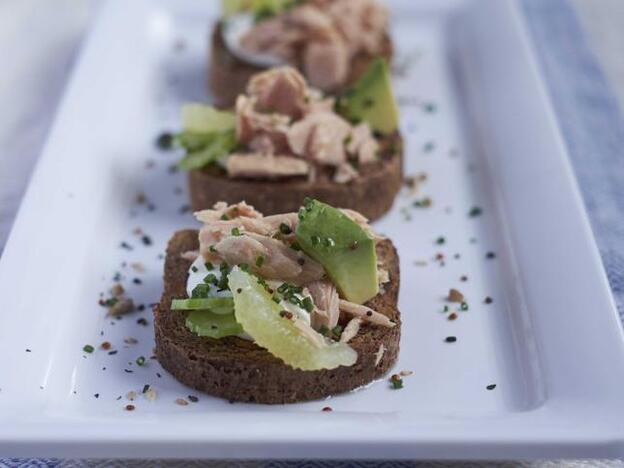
371, 193
228, 75
239, 370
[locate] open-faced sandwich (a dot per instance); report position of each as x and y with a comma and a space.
332, 42
278, 309
285, 141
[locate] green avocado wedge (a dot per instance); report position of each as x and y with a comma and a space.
345, 250
371, 99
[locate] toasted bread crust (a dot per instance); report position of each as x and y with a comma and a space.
371, 193
239, 370
228, 75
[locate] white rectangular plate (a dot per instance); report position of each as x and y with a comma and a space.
476, 120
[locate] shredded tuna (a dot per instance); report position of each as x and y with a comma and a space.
365, 313
251, 124
323, 36
315, 338
351, 330
265, 166
345, 173
326, 300
326, 64
190, 255
279, 90
362, 145
221, 209
320, 136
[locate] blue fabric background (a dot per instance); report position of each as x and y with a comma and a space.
593, 128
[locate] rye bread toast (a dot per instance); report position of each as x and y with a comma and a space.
228, 75
239, 370
371, 193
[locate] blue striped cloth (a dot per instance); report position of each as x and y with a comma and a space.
593, 128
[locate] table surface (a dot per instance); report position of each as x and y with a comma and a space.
40, 59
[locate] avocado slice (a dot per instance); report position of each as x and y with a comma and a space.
339, 244
371, 99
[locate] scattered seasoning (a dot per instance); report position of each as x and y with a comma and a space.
164, 141
140, 361
193, 398
406, 373
456, 256
129, 407
429, 107
327, 409
158, 375
236, 231
464, 306
150, 394
455, 295
490, 255
422, 203
140, 198
453, 316
141, 307
428, 147
491, 387
131, 395
125, 245
445, 308
259, 261
285, 229
463, 278
488, 300
184, 209
112, 353
121, 307
117, 290
28, 350
420, 263
105, 346
396, 381
137, 281
146, 387
475, 211
440, 240
286, 314
239, 290
96, 395
88, 348
147, 240
181, 402
450, 339
128, 371
142, 321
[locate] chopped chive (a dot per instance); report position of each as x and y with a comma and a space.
209, 266
440, 240
236, 231
140, 360
285, 229
194, 269
475, 211
88, 349
464, 306
307, 304
259, 261
224, 217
